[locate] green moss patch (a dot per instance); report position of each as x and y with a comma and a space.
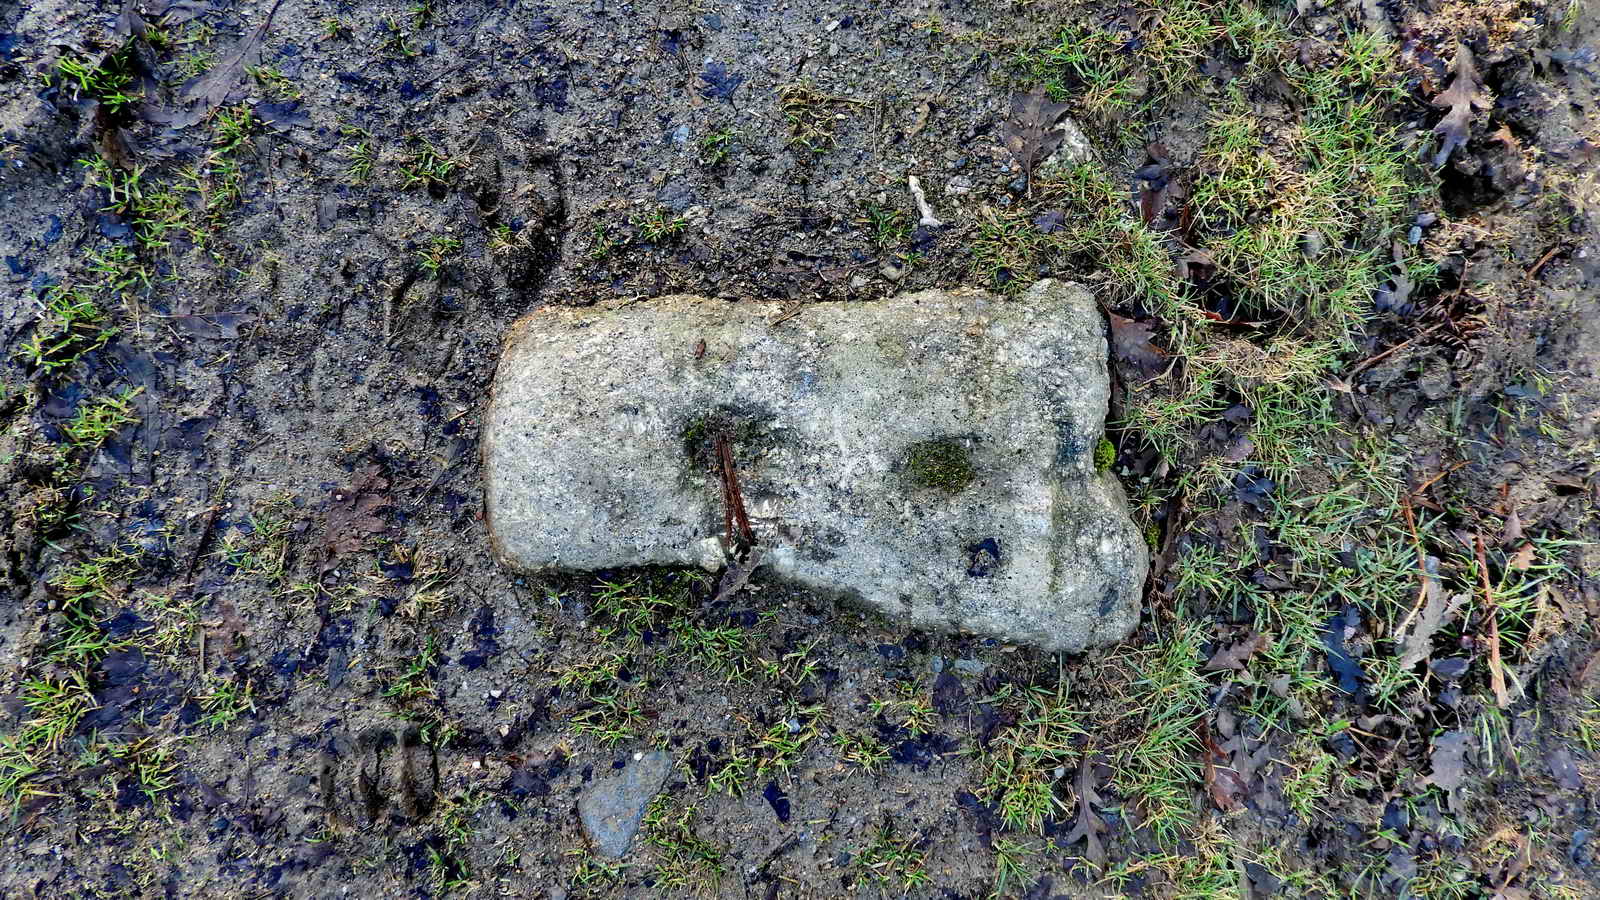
941, 464
1105, 455
747, 430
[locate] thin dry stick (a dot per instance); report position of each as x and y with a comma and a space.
1365, 364
1497, 678
1422, 567
727, 496
788, 314
1461, 286
1534, 272
735, 500
1431, 481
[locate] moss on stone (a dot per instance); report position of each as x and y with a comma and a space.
941, 464
1105, 455
747, 430
697, 434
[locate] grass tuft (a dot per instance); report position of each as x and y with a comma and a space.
70, 325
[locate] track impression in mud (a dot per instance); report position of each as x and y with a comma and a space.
384, 772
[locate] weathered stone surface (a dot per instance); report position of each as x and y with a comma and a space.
612, 807
931, 455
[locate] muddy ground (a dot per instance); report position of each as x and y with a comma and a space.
252, 641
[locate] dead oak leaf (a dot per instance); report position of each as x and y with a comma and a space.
1089, 826
352, 516
204, 93
1132, 342
227, 632
1462, 98
1434, 612
1030, 133
1226, 786
1234, 656
1449, 760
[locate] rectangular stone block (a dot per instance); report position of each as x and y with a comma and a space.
929, 455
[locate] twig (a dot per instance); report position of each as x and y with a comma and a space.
1549, 255
1158, 565
727, 500
788, 314
1430, 482
1497, 678
733, 507
1365, 364
1461, 285
1422, 567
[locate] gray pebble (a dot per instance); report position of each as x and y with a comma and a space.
612, 807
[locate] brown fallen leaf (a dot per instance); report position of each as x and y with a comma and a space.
1239, 450
1152, 200
128, 22
1226, 786
1563, 769
1513, 529
1131, 342
1523, 558
1235, 656
352, 516
1089, 826
736, 576
114, 143
1449, 759
1462, 98
228, 631
1435, 612
1250, 763
1197, 266
1030, 133
204, 93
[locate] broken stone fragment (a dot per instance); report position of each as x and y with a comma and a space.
612, 808
930, 456
1075, 147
